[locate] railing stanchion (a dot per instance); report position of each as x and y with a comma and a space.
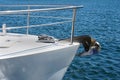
73, 23
28, 20
4, 29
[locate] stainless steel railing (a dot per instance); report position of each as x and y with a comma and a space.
29, 10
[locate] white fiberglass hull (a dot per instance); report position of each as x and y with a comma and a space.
50, 65
25, 57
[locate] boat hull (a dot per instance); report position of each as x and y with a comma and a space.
50, 65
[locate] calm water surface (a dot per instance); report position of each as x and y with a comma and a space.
101, 20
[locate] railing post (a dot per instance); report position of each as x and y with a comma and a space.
73, 23
28, 20
4, 29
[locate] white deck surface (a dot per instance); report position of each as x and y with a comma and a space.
12, 45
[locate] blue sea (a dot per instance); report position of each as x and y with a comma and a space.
101, 20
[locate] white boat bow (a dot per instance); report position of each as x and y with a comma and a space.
25, 57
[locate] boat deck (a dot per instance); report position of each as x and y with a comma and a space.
12, 45
15, 45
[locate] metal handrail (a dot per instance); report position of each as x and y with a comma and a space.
3, 5
38, 10
32, 26
29, 10
53, 17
